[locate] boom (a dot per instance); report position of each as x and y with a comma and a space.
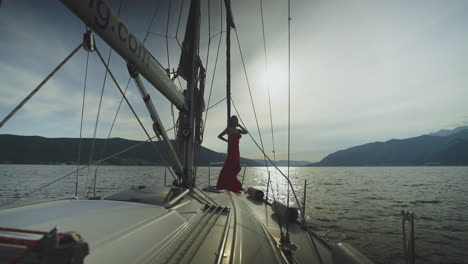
97, 15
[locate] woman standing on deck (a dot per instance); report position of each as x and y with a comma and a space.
227, 179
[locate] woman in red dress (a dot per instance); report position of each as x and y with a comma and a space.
227, 179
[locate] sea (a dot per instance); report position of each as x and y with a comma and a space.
358, 205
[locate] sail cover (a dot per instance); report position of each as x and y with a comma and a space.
191, 41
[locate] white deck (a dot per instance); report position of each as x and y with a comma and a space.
190, 232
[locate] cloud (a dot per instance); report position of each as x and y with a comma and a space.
57, 101
360, 73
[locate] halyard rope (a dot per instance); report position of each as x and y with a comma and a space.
81, 123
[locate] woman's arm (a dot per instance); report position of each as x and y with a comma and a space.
220, 136
242, 130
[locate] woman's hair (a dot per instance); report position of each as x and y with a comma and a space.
232, 120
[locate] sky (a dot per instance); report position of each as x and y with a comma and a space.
361, 71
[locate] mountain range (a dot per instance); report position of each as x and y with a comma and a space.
40, 150
448, 132
445, 148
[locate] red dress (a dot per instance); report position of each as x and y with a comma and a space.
227, 179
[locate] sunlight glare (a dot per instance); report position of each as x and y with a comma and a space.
276, 78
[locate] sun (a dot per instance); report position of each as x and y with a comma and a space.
276, 78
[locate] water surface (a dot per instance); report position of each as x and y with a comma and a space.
359, 205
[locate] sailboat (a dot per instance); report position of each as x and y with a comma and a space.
158, 224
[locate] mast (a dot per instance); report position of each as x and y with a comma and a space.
229, 25
98, 16
191, 69
101, 19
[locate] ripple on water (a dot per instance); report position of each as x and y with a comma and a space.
375, 198
399, 205
426, 218
453, 228
451, 237
418, 184
330, 184
417, 202
323, 219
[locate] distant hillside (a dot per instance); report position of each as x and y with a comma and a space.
40, 150
283, 163
423, 150
447, 132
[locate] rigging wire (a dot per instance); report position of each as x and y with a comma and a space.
130, 106
81, 122
162, 35
173, 120
33, 92
96, 125
202, 132
168, 59
94, 180
218, 34
178, 79
209, 36
289, 93
167, 38
114, 120
267, 80
220, 101
178, 25
156, 9
148, 32
214, 69
250, 93
269, 99
271, 116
